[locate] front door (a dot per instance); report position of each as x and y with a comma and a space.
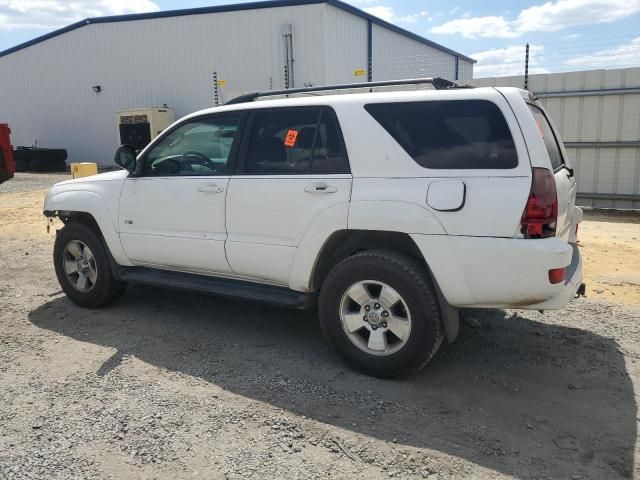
173, 215
293, 169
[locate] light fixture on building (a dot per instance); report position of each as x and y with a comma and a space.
96, 88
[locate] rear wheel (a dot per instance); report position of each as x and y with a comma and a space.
379, 311
82, 267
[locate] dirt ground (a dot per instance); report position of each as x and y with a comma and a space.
172, 385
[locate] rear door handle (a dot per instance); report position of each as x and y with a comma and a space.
320, 188
210, 188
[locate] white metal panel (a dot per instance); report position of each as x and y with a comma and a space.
46, 94
46, 88
346, 50
396, 56
628, 172
629, 117
465, 71
607, 116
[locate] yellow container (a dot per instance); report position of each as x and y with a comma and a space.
84, 169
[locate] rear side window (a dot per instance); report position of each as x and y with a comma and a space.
550, 140
295, 142
452, 134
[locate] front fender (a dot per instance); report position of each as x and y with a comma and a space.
95, 205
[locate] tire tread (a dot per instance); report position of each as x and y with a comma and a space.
414, 272
111, 289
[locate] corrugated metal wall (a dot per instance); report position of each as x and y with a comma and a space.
347, 46
598, 115
46, 89
396, 56
46, 93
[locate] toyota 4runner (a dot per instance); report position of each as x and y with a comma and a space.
390, 210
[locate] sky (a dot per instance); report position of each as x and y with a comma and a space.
564, 35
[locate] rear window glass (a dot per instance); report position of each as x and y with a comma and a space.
548, 136
455, 134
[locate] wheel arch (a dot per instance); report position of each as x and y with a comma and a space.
345, 243
90, 209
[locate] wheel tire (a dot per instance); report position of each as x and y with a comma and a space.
412, 283
106, 288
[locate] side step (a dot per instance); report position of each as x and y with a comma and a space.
225, 287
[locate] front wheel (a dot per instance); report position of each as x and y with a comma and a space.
82, 267
379, 311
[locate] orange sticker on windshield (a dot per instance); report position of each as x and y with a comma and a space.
290, 139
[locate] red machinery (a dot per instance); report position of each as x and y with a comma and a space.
7, 165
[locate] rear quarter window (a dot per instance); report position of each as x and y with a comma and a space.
451, 134
550, 140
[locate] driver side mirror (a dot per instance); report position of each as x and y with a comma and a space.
125, 157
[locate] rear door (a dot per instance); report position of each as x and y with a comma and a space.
565, 181
292, 167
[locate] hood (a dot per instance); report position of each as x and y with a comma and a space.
101, 177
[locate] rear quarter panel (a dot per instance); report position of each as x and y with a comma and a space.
566, 186
384, 172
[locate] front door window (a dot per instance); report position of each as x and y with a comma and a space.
199, 147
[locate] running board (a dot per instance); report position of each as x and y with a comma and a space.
224, 287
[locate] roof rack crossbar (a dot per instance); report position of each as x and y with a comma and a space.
437, 82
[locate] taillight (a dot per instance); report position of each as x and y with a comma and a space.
541, 212
557, 275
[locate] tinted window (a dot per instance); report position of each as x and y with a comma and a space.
299, 141
547, 135
454, 134
198, 147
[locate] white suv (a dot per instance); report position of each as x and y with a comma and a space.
391, 210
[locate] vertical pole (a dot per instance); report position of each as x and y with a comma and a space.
286, 76
287, 36
457, 68
526, 68
369, 51
292, 68
216, 99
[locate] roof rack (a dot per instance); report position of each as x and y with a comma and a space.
437, 82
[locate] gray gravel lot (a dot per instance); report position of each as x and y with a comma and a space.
173, 385
28, 182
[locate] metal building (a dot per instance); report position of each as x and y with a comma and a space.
63, 89
598, 115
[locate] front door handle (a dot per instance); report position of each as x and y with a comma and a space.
320, 188
210, 188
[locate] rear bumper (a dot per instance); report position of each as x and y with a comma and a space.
501, 272
571, 285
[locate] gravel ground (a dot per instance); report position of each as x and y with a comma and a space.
28, 182
172, 385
